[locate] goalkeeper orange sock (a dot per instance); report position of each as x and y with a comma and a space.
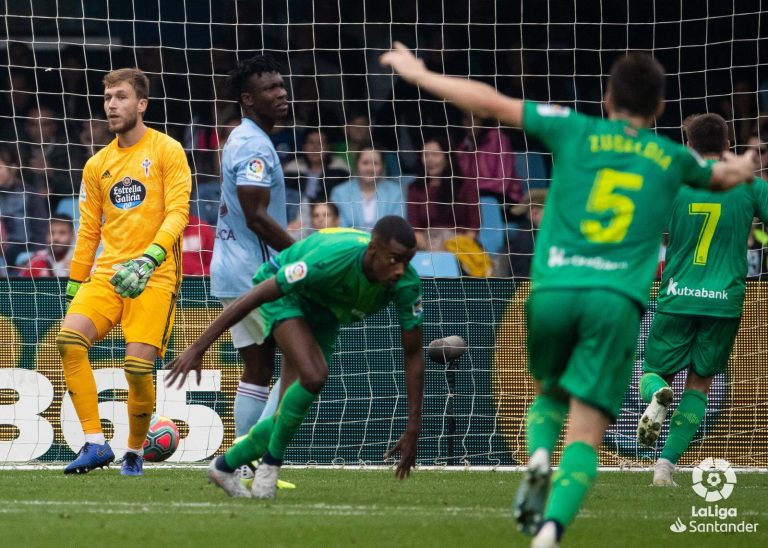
141, 400
73, 348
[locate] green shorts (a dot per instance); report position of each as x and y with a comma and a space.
677, 342
322, 322
583, 342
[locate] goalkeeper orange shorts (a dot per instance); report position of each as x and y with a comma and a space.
146, 319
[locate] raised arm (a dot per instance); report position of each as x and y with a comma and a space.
470, 95
413, 354
192, 358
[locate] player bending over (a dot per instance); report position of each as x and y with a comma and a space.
700, 298
613, 184
139, 185
332, 278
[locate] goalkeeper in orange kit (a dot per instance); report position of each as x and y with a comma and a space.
134, 199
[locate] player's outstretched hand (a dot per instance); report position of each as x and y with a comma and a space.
733, 170
404, 62
407, 447
190, 360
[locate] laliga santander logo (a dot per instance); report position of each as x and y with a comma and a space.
714, 479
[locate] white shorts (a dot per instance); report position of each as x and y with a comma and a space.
249, 330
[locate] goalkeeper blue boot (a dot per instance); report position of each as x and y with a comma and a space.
92, 455
133, 464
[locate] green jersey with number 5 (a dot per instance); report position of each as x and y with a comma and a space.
612, 190
707, 252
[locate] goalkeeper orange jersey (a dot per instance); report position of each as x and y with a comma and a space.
130, 198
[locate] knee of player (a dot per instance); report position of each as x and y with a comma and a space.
69, 341
315, 379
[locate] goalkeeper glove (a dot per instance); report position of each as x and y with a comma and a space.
72, 288
132, 276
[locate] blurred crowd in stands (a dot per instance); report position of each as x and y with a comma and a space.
469, 187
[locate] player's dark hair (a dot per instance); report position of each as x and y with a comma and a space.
637, 84
238, 79
393, 227
706, 133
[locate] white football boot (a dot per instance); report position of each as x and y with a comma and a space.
265, 481
546, 537
230, 482
649, 427
662, 473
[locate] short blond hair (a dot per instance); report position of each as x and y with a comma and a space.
133, 76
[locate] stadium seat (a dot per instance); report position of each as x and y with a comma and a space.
69, 207
437, 264
492, 227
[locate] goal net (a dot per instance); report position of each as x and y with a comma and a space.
54, 54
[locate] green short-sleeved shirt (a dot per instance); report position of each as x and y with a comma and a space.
706, 263
324, 272
612, 189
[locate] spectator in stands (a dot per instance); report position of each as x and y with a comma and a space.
5, 263
757, 242
312, 175
761, 147
56, 258
324, 215
23, 210
357, 136
92, 136
197, 248
365, 199
440, 206
45, 155
75, 86
16, 99
485, 156
521, 243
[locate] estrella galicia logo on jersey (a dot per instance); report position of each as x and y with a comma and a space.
254, 170
127, 193
295, 272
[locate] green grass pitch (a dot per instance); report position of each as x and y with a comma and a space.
360, 508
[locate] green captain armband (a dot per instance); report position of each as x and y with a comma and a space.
156, 254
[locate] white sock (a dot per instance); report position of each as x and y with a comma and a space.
97, 439
250, 400
139, 452
539, 460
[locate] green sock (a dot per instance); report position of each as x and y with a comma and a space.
251, 447
546, 416
684, 424
649, 384
578, 469
293, 408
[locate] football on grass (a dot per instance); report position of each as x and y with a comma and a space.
162, 439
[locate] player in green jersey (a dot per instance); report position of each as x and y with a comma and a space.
613, 184
332, 278
700, 298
